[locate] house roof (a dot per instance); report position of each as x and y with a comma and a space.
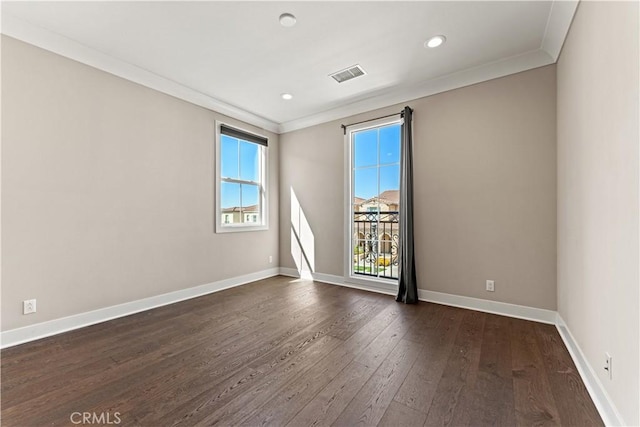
246, 209
358, 200
389, 197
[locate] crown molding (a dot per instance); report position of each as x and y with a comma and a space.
559, 21
558, 24
19, 29
503, 67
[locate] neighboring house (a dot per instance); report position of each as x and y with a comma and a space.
373, 231
236, 214
387, 201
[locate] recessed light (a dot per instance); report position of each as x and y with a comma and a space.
286, 96
435, 41
287, 20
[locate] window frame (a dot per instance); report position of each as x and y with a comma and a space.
263, 185
377, 284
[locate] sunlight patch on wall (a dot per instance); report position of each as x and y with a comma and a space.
302, 240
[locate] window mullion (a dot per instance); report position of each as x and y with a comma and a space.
239, 181
239, 162
241, 207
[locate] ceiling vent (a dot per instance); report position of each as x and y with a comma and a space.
348, 73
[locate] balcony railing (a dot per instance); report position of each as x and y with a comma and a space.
375, 244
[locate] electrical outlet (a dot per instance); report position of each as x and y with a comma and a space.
270, 259
490, 286
607, 365
28, 306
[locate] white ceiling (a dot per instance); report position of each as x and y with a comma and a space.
236, 58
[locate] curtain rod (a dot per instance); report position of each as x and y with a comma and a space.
344, 127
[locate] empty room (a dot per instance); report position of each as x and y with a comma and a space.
385, 213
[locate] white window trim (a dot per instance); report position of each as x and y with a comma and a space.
374, 283
233, 227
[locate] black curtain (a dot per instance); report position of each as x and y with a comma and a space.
407, 285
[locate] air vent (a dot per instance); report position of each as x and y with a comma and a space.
348, 73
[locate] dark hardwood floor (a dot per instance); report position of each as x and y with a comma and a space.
287, 352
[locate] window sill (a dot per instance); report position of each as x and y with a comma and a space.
240, 228
385, 285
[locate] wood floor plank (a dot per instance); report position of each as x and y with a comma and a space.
224, 378
374, 353
105, 367
125, 338
399, 415
534, 401
282, 407
356, 320
326, 327
250, 400
371, 402
419, 388
230, 348
285, 351
106, 385
266, 366
371, 356
572, 400
170, 400
451, 403
429, 317
492, 402
327, 406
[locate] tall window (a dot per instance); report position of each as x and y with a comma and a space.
241, 202
374, 169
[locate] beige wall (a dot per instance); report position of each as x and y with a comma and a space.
598, 281
485, 189
107, 191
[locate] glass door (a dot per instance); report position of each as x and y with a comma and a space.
374, 200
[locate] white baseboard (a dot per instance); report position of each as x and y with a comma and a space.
289, 272
605, 406
495, 307
488, 306
53, 327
